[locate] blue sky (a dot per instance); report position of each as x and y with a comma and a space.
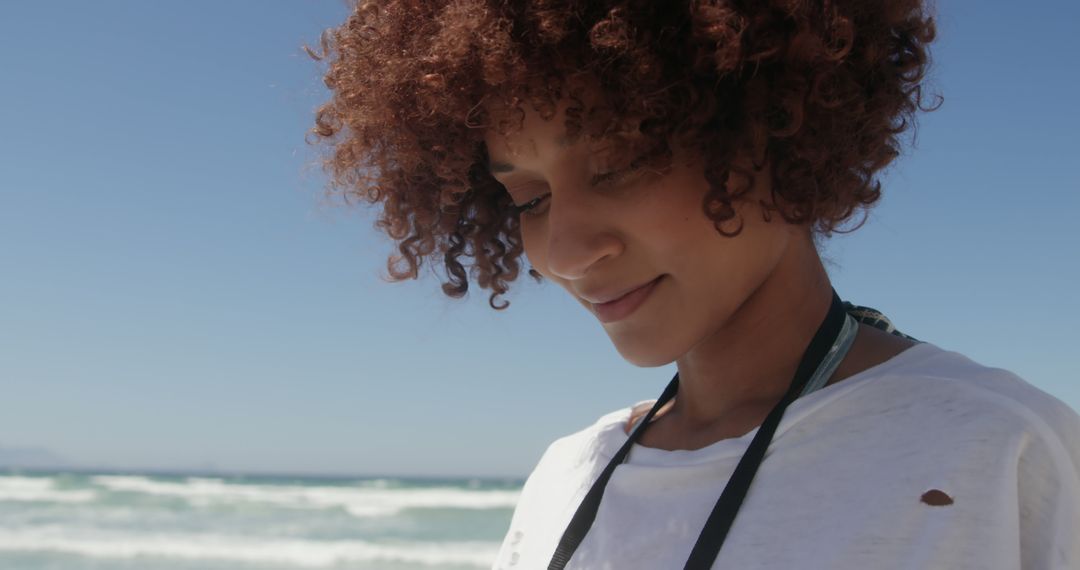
175, 294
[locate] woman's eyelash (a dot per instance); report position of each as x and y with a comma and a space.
607, 176
634, 166
524, 208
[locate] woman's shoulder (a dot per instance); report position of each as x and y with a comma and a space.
565, 468
941, 383
577, 449
948, 369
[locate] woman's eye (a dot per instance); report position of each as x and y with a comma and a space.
608, 176
617, 175
528, 207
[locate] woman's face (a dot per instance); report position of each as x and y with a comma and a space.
597, 240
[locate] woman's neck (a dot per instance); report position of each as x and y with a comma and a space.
749, 362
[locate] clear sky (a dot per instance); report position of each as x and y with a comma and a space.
173, 294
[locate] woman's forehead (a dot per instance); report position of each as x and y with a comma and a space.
528, 132
525, 140
580, 91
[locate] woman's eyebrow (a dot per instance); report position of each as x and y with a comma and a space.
500, 167
504, 167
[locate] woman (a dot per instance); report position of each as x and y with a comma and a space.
674, 166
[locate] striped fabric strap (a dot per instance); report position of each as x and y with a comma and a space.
856, 314
874, 318
833, 358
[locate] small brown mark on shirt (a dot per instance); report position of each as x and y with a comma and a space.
936, 498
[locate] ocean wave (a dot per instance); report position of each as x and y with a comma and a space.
43, 489
308, 553
360, 501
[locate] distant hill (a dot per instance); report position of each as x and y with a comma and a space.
31, 457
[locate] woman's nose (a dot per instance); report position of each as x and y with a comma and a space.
580, 231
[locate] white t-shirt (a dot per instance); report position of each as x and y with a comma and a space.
842, 483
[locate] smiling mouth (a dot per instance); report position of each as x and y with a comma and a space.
589, 298
623, 306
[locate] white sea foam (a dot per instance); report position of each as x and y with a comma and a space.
19, 488
360, 501
308, 553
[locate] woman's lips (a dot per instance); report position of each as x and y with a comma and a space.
623, 306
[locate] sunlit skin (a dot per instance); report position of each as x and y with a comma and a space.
734, 314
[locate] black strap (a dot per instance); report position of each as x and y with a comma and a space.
727, 506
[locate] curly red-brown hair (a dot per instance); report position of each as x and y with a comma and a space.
820, 90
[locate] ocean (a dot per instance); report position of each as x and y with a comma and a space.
59, 520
